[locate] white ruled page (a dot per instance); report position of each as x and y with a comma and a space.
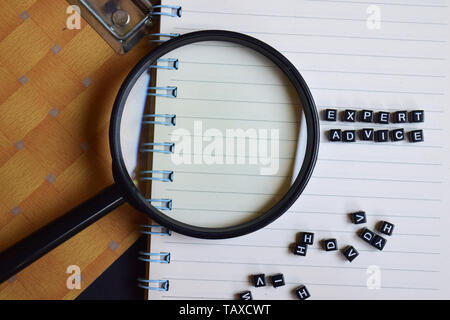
348, 62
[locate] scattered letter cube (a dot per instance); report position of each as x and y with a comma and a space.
330, 244
300, 249
330, 114
367, 235
359, 217
307, 238
335, 135
259, 280
379, 242
302, 293
350, 253
386, 228
416, 136
246, 295
349, 136
277, 280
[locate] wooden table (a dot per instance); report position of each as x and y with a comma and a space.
57, 90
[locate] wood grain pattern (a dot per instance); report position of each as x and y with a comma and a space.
54, 150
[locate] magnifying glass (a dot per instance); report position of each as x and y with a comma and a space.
214, 134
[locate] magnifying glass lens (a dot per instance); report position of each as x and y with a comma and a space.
212, 134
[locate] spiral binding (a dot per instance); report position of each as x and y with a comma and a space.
164, 257
163, 285
174, 11
146, 229
172, 64
170, 122
159, 147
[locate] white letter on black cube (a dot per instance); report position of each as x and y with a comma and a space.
417, 116
416, 136
246, 295
366, 116
349, 136
350, 253
398, 135
400, 116
307, 238
367, 235
381, 135
383, 117
277, 280
335, 135
366, 134
259, 280
379, 242
330, 114
349, 115
359, 217
330, 244
300, 249
302, 293
386, 228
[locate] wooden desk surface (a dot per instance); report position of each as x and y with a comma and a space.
56, 92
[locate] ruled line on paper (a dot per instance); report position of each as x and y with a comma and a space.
426, 5
296, 283
181, 243
330, 36
312, 212
307, 194
273, 15
301, 265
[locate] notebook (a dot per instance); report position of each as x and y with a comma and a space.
353, 55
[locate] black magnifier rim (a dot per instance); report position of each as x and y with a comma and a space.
131, 192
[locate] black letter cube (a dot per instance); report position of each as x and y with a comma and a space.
259, 280
383, 117
335, 135
307, 238
350, 253
416, 136
367, 235
246, 295
386, 228
330, 244
349, 115
379, 242
417, 116
400, 117
366, 116
302, 293
349, 136
366, 134
300, 249
359, 217
398, 135
381, 135
277, 280
330, 114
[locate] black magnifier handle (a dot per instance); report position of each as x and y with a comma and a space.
31, 248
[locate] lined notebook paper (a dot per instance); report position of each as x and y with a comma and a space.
347, 63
